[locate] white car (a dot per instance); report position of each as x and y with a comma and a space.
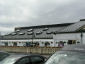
72, 54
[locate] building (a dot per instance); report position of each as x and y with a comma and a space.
73, 34
46, 35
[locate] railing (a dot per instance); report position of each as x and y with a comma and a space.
37, 50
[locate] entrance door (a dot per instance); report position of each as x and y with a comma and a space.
71, 41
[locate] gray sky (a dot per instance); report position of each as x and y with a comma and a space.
18, 13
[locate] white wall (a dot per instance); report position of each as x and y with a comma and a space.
68, 36
21, 42
83, 38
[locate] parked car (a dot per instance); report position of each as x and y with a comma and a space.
7, 58
72, 54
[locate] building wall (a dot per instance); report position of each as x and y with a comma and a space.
69, 36
83, 38
65, 37
23, 42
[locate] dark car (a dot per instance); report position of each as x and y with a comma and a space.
72, 54
7, 58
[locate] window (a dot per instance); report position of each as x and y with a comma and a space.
36, 60
14, 33
17, 30
6, 43
71, 41
14, 43
30, 33
21, 33
48, 32
24, 60
47, 44
78, 42
45, 29
30, 30
40, 32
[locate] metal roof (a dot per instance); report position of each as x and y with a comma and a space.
45, 26
74, 27
54, 28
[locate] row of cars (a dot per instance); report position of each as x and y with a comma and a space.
72, 54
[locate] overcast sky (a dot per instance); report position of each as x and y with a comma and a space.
18, 13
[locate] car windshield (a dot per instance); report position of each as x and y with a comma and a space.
67, 58
3, 55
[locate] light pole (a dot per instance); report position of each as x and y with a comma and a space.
81, 37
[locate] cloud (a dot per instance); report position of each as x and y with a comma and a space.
6, 30
15, 12
62, 12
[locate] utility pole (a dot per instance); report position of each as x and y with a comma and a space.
81, 37
33, 35
54, 34
0, 38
